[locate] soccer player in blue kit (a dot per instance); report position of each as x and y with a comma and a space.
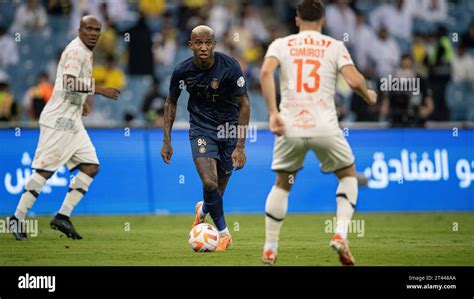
218, 95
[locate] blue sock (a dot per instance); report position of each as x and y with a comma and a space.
213, 204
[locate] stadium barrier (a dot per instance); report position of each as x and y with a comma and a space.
408, 170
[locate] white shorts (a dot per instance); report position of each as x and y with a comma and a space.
333, 153
56, 148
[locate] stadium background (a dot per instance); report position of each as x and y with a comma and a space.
141, 43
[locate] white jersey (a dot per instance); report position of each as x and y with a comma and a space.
309, 63
64, 110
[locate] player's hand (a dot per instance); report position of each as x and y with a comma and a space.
238, 158
277, 125
372, 100
166, 152
85, 109
109, 92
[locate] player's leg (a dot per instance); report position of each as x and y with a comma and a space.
207, 170
335, 155
45, 162
30, 194
288, 157
85, 159
346, 197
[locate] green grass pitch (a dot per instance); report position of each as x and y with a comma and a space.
389, 239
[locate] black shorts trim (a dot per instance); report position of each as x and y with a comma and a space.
79, 165
342, 168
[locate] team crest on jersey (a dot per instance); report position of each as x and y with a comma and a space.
214, 83
202, 145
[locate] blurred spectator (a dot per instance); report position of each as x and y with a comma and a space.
362, 40
154, 105
152, 8
418, 52
239, 36
52, 66
59, 7
30, 18
438, 59
9, 52
8, 107
462, 65
165, 42
108, 75
341, 21
406, 107
140, 56
220, 17
435, 11
37, 96
468, 38
118, 10
384, 51
396, 17
253, 22
107, 44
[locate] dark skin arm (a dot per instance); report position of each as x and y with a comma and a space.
238, 155
170, 115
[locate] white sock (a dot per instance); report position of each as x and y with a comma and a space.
275, 210
78, 187
200, 211
28, 198
225, 231
346, 198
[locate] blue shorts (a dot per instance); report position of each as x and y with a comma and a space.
208, 145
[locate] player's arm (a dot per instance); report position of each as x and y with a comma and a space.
267, 81
356, 82
74, 84
244, 117
169, 117
238, 155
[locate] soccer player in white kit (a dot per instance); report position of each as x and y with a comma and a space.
63, 138
309, 64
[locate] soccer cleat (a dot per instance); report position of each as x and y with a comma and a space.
342, 248
269, 257
197, 218
65, 226
225, 241
17, 229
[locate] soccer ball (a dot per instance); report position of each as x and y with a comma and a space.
203, 238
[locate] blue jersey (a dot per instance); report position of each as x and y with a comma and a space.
213, 92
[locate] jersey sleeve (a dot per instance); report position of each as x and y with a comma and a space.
274, 50
176, 84
343, 57
74, 61
239, 85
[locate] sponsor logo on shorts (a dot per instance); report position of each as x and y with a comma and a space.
202, 145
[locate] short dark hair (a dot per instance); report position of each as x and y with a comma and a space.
310, 10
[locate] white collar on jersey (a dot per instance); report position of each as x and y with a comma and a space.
79, 41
